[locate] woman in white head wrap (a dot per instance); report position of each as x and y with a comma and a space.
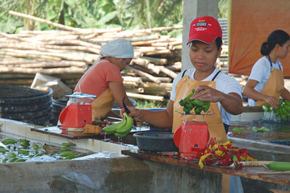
104, 78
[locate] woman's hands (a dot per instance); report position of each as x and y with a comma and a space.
231, 102
273, 101
250, 92
134, 113
162, 118
206, 93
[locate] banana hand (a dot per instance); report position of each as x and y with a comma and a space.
120, 132
9, 141
114, 127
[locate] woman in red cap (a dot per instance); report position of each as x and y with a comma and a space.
223, 91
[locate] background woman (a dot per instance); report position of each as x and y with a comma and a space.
266, 81
104, 78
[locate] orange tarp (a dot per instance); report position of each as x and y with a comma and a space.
250, 23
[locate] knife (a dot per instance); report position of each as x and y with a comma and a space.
125, 107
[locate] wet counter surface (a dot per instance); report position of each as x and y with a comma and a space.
255, 173
58, 131
260, 130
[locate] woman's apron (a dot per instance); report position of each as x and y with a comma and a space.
103, 104
274, 85
215, 124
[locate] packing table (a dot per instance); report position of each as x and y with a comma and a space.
255, 173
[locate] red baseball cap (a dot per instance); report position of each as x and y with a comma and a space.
205, 29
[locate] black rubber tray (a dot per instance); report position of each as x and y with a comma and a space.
155, 141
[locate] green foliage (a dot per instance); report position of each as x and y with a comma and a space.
102, 14
156, 13
151, 104
223, 8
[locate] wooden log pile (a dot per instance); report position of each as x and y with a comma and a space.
67, 54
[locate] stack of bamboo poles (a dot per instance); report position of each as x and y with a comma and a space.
67, 54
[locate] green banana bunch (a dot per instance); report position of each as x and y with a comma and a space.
112, 128
24, 152
25, 143
283, 110
68, 154
3, 151
35, 146
21, 150
11, 154
125, 130
20, 160
183, 102
9, 141
195, 104
122, 128
279, 166
68, 144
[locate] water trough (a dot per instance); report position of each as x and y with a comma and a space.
107, 170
